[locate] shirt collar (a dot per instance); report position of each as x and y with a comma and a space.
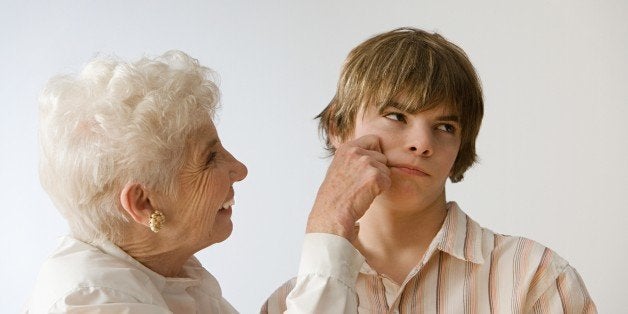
191, 268
460, 236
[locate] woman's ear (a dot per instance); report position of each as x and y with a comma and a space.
135, 201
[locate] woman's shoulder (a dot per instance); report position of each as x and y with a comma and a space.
82, 273
87, 264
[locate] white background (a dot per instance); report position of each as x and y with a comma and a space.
553, 143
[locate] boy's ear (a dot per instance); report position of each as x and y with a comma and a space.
135, 201
332, 128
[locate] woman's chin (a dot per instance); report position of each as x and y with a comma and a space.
222, 231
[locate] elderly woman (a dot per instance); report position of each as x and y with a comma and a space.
132, 160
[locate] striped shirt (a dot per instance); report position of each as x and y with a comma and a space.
466, 269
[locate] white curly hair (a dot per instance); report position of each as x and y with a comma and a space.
117, 122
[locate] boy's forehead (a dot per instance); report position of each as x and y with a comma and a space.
442, 109
411, 104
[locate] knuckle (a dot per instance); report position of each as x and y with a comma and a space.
372, 176
382, 157
353, 150
364, 159
381, 178
385, 181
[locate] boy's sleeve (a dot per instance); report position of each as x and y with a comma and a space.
326, 281
567, 294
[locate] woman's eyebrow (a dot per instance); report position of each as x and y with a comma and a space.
210, 144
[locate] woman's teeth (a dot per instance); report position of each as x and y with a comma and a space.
228, 204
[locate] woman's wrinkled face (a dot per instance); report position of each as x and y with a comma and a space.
201, 211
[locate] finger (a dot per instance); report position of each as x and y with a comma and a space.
376, 182
370, 142
379, 157
381, 167
356, 231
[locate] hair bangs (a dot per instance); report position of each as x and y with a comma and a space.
412, 76
413, 71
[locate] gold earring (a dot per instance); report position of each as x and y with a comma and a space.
157, 220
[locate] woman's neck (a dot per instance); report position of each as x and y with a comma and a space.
156, 252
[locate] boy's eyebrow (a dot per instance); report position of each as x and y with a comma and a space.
454, 118
447, 117
393, 104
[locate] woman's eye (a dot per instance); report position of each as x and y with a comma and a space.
211, 158
396, 116
447, 128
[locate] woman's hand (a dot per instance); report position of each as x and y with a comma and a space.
357, 174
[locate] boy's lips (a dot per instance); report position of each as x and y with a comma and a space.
410, 169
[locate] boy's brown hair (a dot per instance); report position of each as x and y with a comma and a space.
424, 69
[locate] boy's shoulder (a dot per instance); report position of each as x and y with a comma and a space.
511, 253
463, 237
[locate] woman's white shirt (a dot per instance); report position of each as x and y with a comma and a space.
87, 278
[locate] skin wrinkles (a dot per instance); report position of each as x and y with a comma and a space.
194, 219
203, 188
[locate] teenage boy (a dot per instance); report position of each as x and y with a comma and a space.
405, 118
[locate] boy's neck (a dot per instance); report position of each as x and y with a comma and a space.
393, 240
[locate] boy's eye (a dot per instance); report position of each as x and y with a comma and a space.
396, 116
447, 128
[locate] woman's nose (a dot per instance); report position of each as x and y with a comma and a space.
239, 171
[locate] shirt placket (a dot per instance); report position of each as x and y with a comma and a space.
393, 307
